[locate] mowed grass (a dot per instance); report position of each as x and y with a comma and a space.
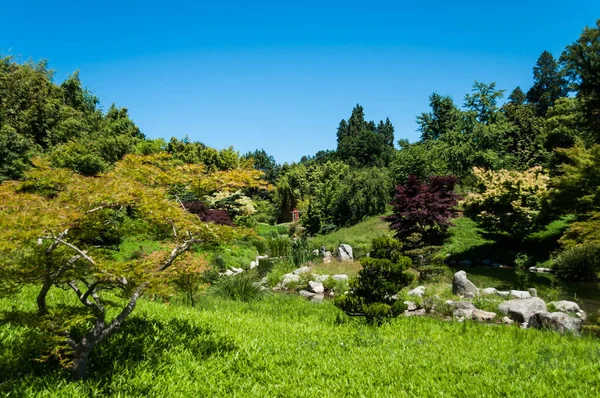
358, 236
284, 346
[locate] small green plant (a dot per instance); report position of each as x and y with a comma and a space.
300, 250
581, 263
260, 244
279, 246
522, 263
279, 268
430, 273
242, 287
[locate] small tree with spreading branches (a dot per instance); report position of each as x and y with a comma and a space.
60, 229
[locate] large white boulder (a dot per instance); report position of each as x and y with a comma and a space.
289, 278
522, 309
316, 287
461, 285
557, 321
344, 253
417, 291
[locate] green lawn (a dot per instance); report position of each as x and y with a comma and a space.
288, 347
358, 236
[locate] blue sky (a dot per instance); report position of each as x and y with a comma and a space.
281, 75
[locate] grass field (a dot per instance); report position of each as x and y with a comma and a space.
288, 347
358, 236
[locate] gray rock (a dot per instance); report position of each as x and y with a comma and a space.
289, 278
557, 321
341, 277
463, 305
228, 273
317, 298
417, 291
469, 295
302, 270
581, 315
532, 291
420, 312
522, 309
503, 294
520, 294
524, 325
465, 263
566, 306
489, 290
315, 252
306, 293
411, 306
316, 287
483, 316
344, 253
321, 278
253, 264
507, 321
461, 285
462, 314
327, 257
237, 270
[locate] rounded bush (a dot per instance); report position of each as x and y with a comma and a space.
581, 263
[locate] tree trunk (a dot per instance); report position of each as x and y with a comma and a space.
41, 298
80, 360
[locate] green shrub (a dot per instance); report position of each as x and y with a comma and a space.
279, 268
241, 287
591, 330
581, 263
370, 292
431, 272
260, 244
387, 248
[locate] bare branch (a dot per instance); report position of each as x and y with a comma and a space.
55, 243
82, 253
180, 202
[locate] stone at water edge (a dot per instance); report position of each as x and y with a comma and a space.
520, 294
344, 253
503, 294
417, 291
557, 321
321, 278
483, 316
566, 306
507, 321
340, 277
489, 290
306, 293
316, 287
253, 264
522, 309
289, 278
302, 270
461, 285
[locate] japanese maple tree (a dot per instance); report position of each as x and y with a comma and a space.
422, 211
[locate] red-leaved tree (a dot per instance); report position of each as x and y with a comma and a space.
422, 211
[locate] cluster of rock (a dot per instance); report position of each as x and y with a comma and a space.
524, 307
315, 290
231, 271
541, 270
343, 253
468, 263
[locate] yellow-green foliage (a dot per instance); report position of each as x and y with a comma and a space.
509, 201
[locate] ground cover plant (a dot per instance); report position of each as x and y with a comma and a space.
284, 346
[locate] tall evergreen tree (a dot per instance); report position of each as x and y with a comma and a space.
517, 97
549, 84
582, 65
444, 117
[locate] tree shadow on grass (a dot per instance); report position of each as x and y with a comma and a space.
139, 341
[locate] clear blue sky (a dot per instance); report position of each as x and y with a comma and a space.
278, 76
